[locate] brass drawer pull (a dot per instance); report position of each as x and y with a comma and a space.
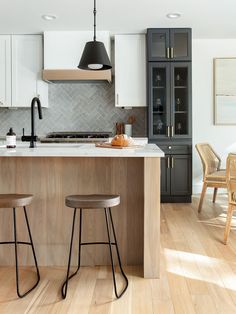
168, 53
168, 162
172, 162
172, 52
168, 131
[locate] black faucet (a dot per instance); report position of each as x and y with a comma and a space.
33, 137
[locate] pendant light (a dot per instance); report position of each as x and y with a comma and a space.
94, 56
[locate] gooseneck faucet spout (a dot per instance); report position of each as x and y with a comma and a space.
34, 101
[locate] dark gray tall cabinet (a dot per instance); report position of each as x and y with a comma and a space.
170, 108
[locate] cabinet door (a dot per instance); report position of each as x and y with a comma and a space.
180, 44
158, 44
130, 71
181, 176
5, 70
165, 175
159, 100
26, 69
181, 112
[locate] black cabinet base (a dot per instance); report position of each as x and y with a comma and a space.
176, 199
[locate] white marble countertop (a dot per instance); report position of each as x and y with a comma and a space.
78, 150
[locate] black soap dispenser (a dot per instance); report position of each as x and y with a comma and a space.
11, 139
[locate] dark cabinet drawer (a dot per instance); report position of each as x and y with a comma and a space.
176, 149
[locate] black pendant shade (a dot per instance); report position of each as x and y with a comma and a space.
94, 57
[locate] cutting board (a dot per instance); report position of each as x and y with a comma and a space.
108, 145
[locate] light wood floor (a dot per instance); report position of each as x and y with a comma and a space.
198, 273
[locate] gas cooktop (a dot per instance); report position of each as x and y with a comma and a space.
76, 137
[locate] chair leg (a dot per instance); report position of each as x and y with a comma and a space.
65, 284
16, 254
214, 195
228, 223
118, 255
204, 188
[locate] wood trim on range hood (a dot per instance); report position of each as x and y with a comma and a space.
74, 75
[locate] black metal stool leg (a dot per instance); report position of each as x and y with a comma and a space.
16, 254
65, 284
118, 255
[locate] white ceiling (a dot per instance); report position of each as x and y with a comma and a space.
207, 18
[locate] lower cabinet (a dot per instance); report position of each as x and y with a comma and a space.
176, 178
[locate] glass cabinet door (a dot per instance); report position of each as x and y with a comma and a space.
159, 100
181, 100
180, 40
158, 44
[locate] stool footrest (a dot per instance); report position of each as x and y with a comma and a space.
18, 242
94, 243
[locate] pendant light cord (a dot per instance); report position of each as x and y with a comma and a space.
94, 19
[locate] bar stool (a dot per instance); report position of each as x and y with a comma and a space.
13, 201
94, 202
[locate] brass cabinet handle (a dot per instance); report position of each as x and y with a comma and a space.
172, 131
168, 162
168, 131
117, 99
172, 162
172, 52
168, 53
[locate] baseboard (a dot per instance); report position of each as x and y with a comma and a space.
176, 199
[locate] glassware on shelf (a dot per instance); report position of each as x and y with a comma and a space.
159, 106
158, 80
178, 103
179, 127
159, 126
178, 80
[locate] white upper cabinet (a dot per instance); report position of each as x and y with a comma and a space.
27, 64
21, 63
63, 50
130, 71
5, 71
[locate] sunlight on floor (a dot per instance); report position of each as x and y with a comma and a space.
199, 267
219, 221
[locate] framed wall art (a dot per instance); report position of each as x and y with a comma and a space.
225, 91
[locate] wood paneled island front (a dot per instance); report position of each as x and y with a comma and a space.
50, 172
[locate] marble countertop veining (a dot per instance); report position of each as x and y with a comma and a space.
78, 150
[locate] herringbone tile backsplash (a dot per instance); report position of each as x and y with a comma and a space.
75, 107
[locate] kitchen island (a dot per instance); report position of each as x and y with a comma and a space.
52, 171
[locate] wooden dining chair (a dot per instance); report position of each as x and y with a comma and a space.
231, 185
213, 175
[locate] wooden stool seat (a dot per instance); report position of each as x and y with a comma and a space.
92, 201
15, 200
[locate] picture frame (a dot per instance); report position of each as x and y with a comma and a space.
224, 76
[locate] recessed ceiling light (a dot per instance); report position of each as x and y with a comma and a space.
49, 17
173, 15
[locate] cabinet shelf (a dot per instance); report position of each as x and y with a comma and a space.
158, 112
180, 87
158, 87
181, 111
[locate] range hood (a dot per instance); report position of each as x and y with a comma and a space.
62, 52
75, 76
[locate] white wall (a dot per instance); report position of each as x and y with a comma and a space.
222, 138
